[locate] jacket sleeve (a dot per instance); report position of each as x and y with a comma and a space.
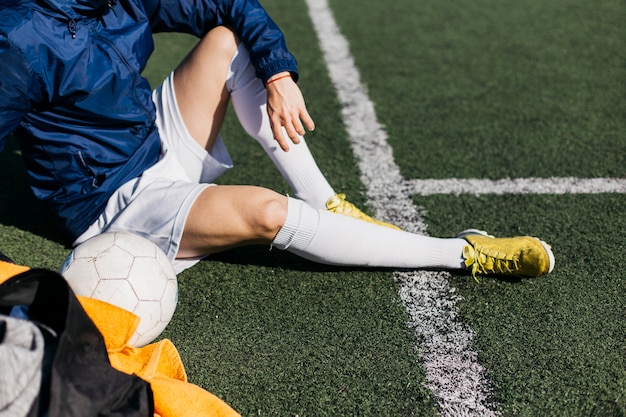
247, 18
17, 87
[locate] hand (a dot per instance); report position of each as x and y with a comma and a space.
286, 108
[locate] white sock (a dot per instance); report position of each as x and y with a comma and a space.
297, 166
334, 239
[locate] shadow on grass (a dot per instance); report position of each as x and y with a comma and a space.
262, 255
18, 206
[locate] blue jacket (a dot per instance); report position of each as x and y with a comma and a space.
71, 87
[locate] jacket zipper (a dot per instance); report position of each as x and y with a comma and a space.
96, 180
71, 27
56, 15
71, 23
127, 64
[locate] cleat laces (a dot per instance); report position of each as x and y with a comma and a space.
484, 261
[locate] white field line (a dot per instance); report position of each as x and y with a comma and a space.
554, 185
445, 344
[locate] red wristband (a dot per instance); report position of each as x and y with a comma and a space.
277, 78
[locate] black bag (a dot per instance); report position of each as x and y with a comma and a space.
77, 378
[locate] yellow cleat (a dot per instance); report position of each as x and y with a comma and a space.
338, 204
521, 256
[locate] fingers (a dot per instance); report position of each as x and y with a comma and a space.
308, 121
287, 112
286, 127
277, 131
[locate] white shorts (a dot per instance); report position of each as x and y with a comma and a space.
156, 204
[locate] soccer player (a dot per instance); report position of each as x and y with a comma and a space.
105, 153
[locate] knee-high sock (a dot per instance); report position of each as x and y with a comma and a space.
297, 166
329, 238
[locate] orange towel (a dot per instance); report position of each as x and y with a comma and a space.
8, 270
158, 363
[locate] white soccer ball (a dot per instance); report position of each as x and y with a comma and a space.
130, 272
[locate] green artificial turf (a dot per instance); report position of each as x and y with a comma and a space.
555, 345
533, 88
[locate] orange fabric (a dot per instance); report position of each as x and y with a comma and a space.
8, 270
158, 363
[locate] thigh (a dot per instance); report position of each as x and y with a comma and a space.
228, 216
177, 144
200, 84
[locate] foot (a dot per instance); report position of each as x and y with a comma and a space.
338, 204
522, 256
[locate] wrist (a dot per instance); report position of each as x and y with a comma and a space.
278, 76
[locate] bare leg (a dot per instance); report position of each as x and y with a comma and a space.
225, 217
200, 84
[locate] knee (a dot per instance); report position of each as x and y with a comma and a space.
271, 215
223, 39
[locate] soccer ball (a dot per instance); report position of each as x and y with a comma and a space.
130, 272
